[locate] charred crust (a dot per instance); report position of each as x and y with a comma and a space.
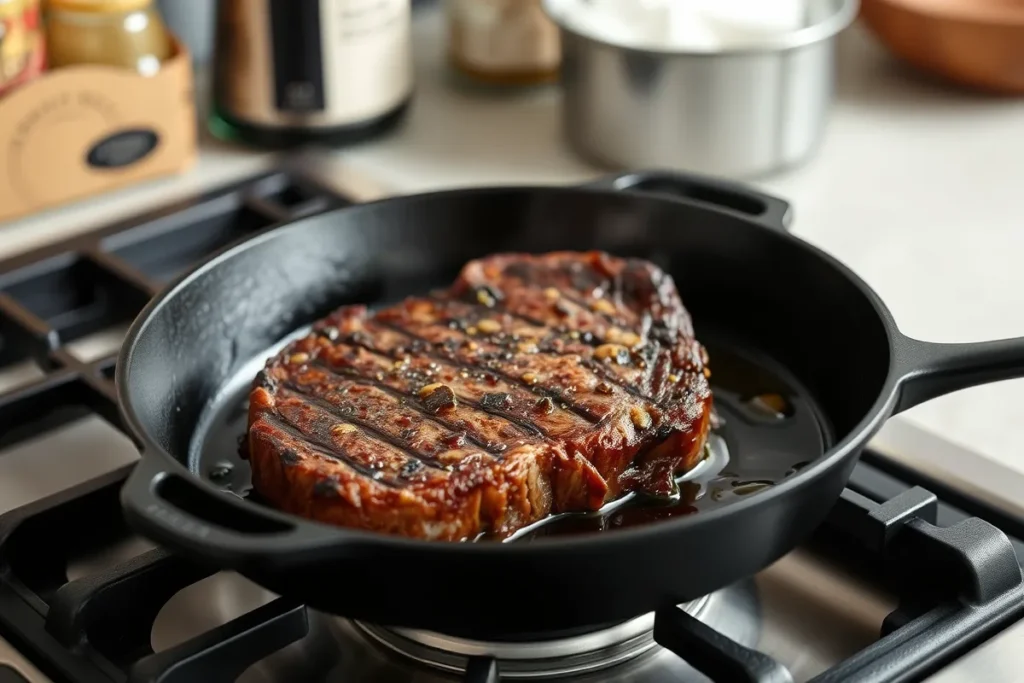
544, 405
519, 269
264, 381
410, 468
329, 332
360, 338
584, 279
289, 457
326, 488
487, 296
455, 440
496, 401
438, 399
661, 333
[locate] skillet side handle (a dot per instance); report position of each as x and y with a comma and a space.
927, 370
765, 210
171, 509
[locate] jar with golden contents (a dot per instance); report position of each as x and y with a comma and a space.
505, 42
126, 33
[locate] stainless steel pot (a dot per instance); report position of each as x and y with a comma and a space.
744, 111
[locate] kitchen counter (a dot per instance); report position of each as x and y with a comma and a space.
916, 187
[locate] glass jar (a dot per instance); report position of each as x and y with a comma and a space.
504, 42
128, 33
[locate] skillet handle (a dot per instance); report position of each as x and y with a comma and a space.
172, 508
927, 370
766, 210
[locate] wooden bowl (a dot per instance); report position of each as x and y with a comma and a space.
978, 43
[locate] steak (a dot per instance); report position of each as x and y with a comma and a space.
533, 385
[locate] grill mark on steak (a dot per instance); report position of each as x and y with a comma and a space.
603, 372
442, 298
589, 307
646, 381
326, 449
548, 346
347, 417
582, 411
583, 282
353, 376
545, 347
526, 425
559, 333
610, 378
631, 287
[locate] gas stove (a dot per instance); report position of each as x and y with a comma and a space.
916, 575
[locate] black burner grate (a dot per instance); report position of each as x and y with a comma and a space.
49, 299
54, 296
958, 576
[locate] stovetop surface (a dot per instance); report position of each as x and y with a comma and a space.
901, 584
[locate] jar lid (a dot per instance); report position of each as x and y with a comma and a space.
99, 6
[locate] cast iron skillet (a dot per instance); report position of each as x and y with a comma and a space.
776, 313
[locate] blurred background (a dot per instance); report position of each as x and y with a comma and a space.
893, 126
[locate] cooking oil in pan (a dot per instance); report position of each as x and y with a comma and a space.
634, 509
767, 429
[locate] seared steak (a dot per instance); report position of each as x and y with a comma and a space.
534, 385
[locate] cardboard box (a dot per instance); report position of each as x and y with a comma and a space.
82, 130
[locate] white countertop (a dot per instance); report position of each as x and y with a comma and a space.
917, 187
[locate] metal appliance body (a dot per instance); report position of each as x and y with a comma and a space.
322, 70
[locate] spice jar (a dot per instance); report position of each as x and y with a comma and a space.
127, 33
22, 49
506, 42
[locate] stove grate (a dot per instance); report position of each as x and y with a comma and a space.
959, 585
59, 294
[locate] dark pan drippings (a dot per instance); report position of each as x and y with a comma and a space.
768, 430
634, 509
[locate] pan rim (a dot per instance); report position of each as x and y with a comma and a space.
337, 536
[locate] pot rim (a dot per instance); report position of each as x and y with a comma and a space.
844, 15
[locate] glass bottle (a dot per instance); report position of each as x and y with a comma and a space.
503, 42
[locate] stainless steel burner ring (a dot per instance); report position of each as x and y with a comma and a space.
534, 659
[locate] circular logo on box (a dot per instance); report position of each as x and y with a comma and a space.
123, 148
